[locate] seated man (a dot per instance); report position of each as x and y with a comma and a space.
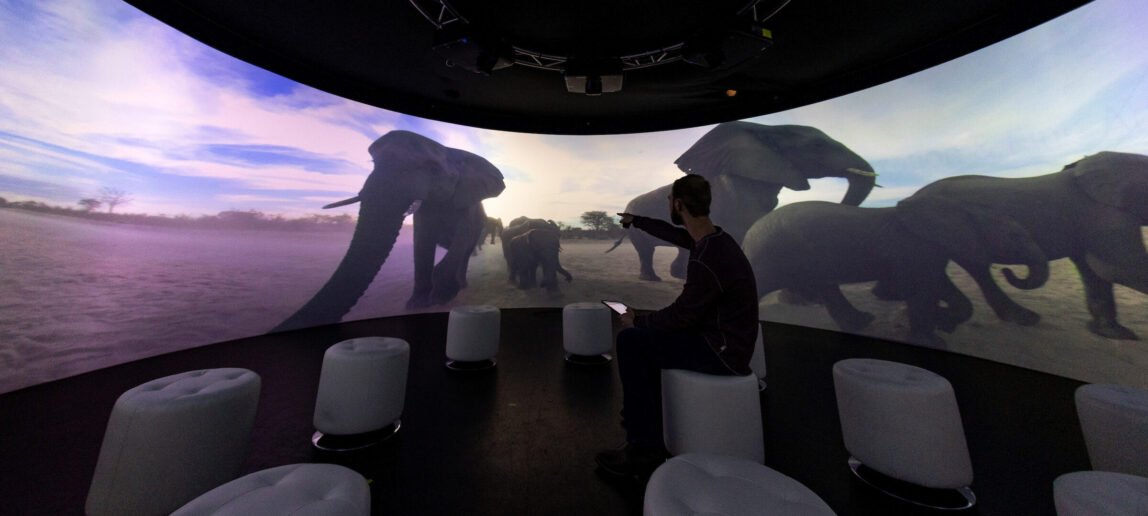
710, 328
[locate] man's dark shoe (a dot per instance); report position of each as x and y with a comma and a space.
632, 460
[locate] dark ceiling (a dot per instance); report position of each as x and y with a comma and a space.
380, 52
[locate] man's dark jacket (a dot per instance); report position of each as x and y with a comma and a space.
719, 300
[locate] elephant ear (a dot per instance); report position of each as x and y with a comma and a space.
950, 224
478, 179
412, 151
409, 153
1115, 179
788, 155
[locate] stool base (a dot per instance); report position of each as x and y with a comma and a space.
343, 443
943, 499
476, 365
576, 359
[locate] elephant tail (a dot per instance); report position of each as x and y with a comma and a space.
619, 242
1037, 276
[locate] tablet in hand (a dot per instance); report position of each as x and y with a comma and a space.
616, 306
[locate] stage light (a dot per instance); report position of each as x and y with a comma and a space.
593, 76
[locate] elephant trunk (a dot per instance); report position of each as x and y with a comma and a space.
1037, 272
860, 184
375, 235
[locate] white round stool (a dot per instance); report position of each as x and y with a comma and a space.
902, 421
362, 387
705, 413
1114, 420
702, 483
757, 360
172, 439
1088, 493
472, 335
587, 333
311, 489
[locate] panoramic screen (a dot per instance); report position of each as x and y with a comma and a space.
156, 195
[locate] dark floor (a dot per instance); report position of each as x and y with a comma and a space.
521, 439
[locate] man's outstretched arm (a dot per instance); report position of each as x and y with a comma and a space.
659, 229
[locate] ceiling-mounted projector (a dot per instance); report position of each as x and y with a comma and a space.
460, 46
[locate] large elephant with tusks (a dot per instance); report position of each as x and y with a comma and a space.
448, 185
747, 165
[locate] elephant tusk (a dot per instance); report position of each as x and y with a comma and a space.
343, 202
860, 172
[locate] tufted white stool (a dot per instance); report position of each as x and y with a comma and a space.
1088, 493
587, 333
757, 360
712, 414
472, 335
902, 421
703, 483
172, 439
362, 387
1114, 419
311, 489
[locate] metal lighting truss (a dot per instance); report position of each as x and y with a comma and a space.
440, 13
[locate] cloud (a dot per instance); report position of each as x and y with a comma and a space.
92, 78
94, 92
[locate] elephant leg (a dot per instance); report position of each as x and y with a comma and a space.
444, 280
1005, 308
922, 308
886, 291
461, 276
848, 317
957, 310
645, 251
528, 276
678, 267
1101, 304
1120, 257
424, 247
449, 275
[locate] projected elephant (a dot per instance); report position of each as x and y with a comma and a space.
528, 244
449, 185
747, 165
813, 247
492, 228
1091, 212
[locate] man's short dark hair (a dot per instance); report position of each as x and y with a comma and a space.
694, 192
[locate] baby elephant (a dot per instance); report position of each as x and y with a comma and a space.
528, 244
813, 247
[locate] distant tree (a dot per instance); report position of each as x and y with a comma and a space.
241, 219
597, 220
113, 197
3, 201
90, 204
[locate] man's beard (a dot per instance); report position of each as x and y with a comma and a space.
676, 218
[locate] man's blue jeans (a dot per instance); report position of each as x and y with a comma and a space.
642, 354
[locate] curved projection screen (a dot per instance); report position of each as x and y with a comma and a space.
158, 195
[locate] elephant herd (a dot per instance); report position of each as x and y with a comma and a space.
1091, 212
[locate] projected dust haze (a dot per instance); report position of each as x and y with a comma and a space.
159, 195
